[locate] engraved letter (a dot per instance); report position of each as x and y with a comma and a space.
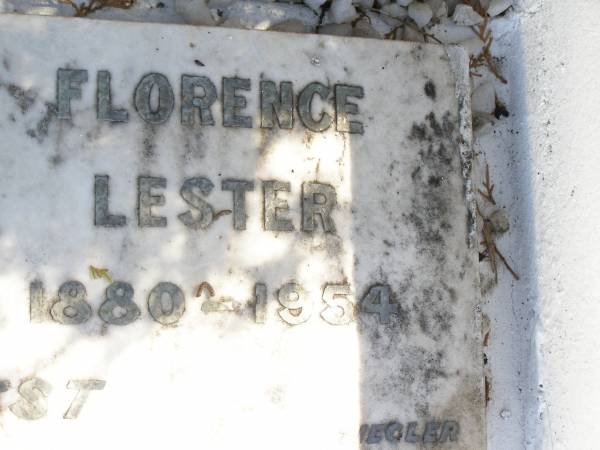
146, 201
189, 100
68, 86
362, 433
39, 306
317, 200
71, 307
393, 432
375, 434
296, 305
260, 305
102, 218
119, 308
202, 217
105, 110
32, 405
411, 433
343, 108
4, 386
378, 300
304, 107
239, 188
449, 430
273, 205
142, 98
282, 105
232, 104
166, 303
83, 388
431, 431
340, 309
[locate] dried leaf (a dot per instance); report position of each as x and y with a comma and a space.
97, 272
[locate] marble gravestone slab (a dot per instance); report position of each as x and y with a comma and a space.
219, 239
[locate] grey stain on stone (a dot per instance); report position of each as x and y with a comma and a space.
438, 154
148, 141
195, 148
41, 129
434, 310
430, 90
56, 160
24, 98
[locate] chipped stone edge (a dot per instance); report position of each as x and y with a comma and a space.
459, 65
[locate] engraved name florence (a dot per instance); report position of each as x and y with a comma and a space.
199, 94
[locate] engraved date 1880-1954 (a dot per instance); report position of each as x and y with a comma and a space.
166, 304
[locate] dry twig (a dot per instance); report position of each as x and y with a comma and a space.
223, 212
404, 22
205, 285
489, 187
492, 250
484, 58
83, 9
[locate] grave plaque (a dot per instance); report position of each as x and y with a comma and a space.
219, 239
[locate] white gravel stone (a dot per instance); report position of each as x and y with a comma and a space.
219, 4
421, 13
335, 29
439, 8
236, 22
262, 16
412, 35
450, 33
367, 4
498, 6
442, 11
363, 28
404, 2
473, 46
482, 124
451, 5
465, 15
315, 5
382, 3
499, 221
194, 12
391, 22
483, 99
341, 11
380, 24
293, 26
394, 10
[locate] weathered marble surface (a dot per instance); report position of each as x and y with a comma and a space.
218, 377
